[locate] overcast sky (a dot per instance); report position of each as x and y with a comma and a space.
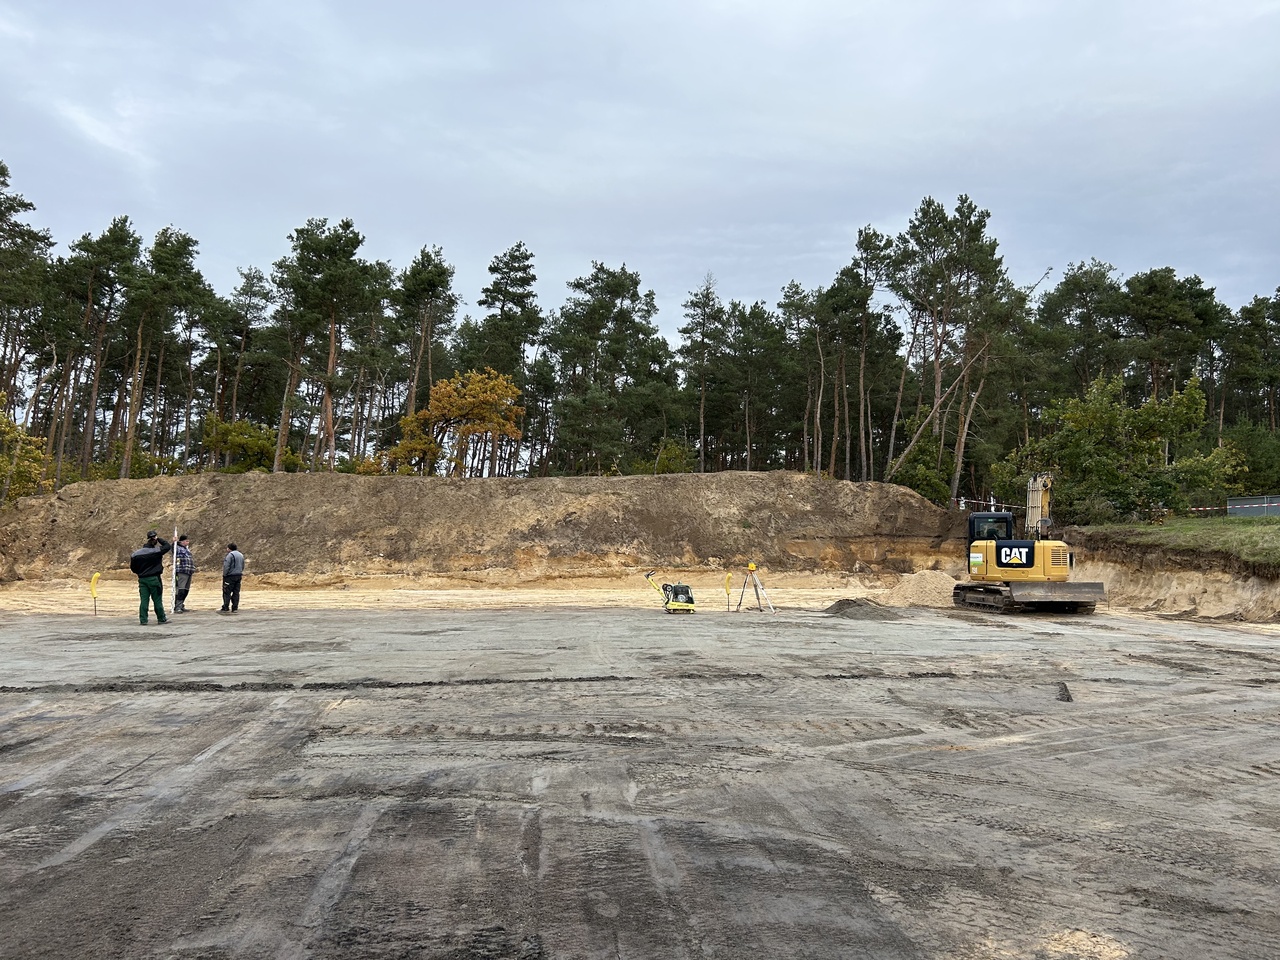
743, 138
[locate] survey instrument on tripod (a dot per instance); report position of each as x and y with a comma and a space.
761, 596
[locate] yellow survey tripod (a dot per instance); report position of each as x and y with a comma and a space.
761, 597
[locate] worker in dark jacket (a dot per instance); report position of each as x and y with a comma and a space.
232, 574
148, 563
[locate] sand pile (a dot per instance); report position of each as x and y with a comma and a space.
861, 608
928, 588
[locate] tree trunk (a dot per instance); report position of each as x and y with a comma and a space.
702, 421
962, 436
808, 410
326, 405
864, 425
26, 423
159, 420
817, 407
91, 406
892, 466
282, 435
235, 382
57, 405
835, 419
134, 407
870, 472
411, 406
67, 416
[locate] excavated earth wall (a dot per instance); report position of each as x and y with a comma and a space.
1182, 584
317, 525
310, 529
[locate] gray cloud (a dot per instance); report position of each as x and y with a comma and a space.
677, 137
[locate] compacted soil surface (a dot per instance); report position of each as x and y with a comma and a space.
607, 780
453, 721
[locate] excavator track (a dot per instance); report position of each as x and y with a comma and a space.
1001, 598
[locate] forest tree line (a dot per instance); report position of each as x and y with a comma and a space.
921, 362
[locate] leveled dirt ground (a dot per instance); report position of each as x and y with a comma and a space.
498, 745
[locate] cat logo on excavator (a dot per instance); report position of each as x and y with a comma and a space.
1007, 574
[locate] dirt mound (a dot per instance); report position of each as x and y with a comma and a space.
861, 608
928, 588
314, 528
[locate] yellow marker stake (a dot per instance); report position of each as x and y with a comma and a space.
728, 578
93, 591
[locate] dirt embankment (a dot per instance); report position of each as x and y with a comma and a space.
308, 526
303, 530
1177, 583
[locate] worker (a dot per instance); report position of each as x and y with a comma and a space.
147, 563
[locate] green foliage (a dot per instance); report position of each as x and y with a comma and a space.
22, 462
1260, 448
1208, 479
590, 435
927, 470
417, 451
332, 317
673, 457
122, 357
513, 320
142, 465
615, 374
705, 341
1073, 341
426, 306
240, 446
670, 456
23, 252
1164, 322
1111, 461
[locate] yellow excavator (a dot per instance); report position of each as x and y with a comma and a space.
1008, 574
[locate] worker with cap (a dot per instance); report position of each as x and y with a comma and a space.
184, 566
147, 562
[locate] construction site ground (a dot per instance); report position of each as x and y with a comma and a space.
398, 771
452, 721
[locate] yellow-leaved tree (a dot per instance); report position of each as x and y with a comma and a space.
469, 414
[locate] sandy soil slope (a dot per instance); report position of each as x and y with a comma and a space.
351, 536
322, 528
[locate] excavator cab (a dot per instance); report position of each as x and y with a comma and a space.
990, 526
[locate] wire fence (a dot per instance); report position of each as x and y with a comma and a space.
990, 505
1268, 506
